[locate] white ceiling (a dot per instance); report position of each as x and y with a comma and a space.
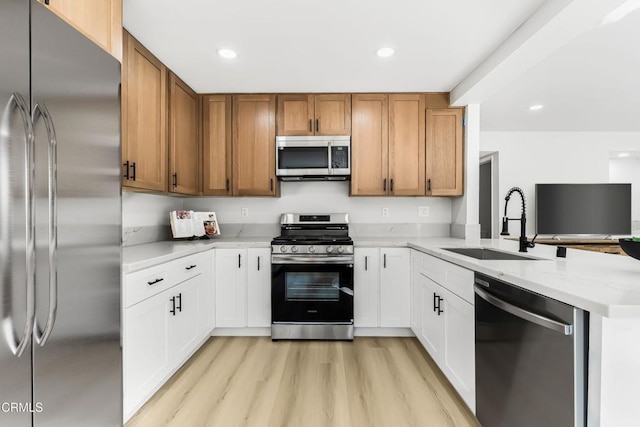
324, 46
590, 84
504, 54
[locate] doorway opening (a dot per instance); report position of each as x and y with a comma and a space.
488, 200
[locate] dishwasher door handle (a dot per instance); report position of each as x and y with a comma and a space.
545, 322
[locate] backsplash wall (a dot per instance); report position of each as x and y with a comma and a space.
323, 197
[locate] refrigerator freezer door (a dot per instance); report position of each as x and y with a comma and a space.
15, 372
78, 369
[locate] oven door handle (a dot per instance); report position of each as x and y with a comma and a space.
311, 259
346, 290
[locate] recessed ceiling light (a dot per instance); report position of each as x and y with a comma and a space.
536, 107
226, 53
385, 52
623, 154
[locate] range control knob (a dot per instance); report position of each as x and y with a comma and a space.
329, 249
294, 249
283, 249
340, 249
312, 249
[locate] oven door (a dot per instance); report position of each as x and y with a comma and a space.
311, 292
299, 158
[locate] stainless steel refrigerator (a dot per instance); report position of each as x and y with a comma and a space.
60, 224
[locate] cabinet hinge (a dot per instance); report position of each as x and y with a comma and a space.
464, 122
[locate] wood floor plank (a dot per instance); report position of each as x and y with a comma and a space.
247, 381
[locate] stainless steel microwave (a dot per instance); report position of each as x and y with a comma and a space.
313, 158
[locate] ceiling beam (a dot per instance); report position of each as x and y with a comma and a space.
553, 25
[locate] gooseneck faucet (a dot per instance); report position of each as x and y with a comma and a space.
524, 243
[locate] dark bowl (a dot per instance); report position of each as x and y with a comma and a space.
630, 247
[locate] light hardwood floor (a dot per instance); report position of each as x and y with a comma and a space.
249, 381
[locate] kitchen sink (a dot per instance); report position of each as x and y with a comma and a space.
489, 254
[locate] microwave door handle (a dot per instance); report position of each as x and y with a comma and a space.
329, 165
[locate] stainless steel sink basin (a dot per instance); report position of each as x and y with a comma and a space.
489, 254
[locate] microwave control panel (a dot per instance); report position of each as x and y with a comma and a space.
339, 157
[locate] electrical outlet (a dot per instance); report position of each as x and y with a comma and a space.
423, 210
244, 212
385, 212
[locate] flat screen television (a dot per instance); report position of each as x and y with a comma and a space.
577, 209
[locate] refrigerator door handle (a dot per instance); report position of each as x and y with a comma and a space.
16, 345
41, 111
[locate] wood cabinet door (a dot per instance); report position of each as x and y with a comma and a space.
254, 164
366, 287
183, 138
395, 288
99, 20
296, 115
333, 114
444, 152
259, 287
144, 118
406, 145
370, 145
216, 140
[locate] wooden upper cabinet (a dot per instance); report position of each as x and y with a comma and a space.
99, 20
183, 138
216, 145
407, 145
144, 118
333, 114
254, 164
305, 115
444, 148
370, 145
296, 115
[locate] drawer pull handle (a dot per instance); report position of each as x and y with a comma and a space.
173, 306
156, 281
191, 267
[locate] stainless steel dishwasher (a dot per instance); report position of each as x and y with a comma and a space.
530, 358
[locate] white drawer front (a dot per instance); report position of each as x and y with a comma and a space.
433, 268
459, 281
192, 265
145, 283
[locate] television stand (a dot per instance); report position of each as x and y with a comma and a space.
607, 245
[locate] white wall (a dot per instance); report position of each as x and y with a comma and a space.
628, 171
527, 158
323, 197
139, 209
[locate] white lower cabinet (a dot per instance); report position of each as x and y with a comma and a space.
444, 321
366, 287
161, 330
147, 352
382, 287
243, 287
231, 288
259, 287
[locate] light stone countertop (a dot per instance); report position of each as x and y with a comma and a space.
605, 284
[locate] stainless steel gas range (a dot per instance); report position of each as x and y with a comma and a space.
312, 278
